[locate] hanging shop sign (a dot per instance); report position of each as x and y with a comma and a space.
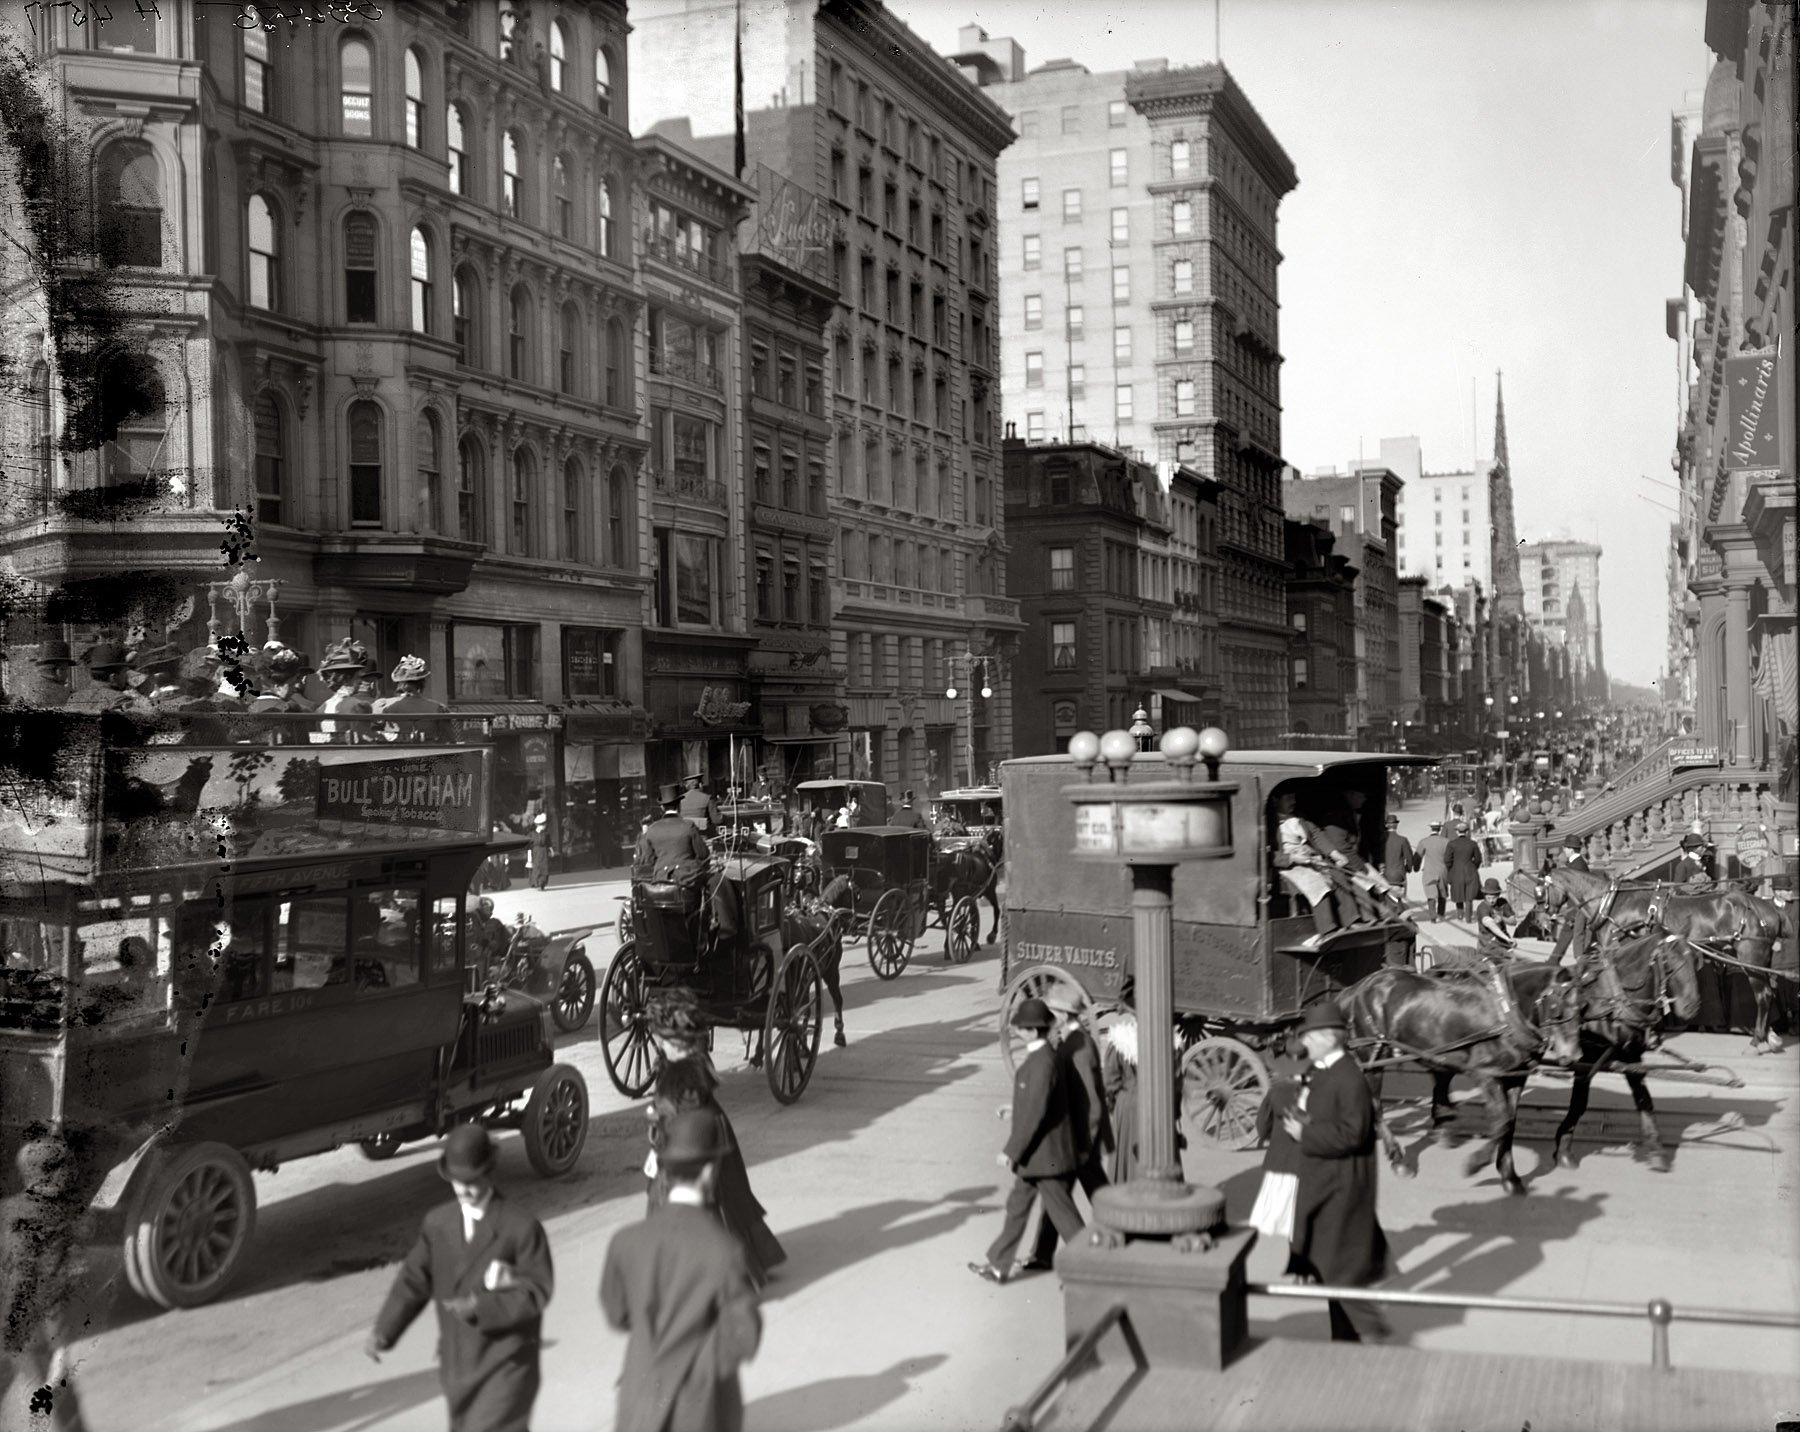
717, 709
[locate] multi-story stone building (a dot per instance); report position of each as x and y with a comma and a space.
849, 103
1322, 661
1194, 625
1359, 509
1139, 307
1561, 582
1077, 513
1442, 519
375, 294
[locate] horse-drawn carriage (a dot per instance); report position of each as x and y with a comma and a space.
968, 858
1243, 964
883, 875
755, 979
824, 803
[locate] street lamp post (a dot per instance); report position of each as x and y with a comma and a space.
968, 662
1141, 729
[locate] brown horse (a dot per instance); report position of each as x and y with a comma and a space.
1751, 927
813, 920
1495, 1026
1627, 988
965, 872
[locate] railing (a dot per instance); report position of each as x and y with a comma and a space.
1624, 828
686, 488
1655, 763
713, 269
1023, 1418
687, 369
984, 605
1659, 1311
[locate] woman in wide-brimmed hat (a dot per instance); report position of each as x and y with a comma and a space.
686, 1082
343, 669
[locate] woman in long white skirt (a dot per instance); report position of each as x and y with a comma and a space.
1273, 1215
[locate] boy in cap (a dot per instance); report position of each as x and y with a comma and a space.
1493, 935
1337, 1239
1041, 1153
678, 1284
486, 1264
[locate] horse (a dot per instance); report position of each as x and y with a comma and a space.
815, 920
1751, 925
1495, 1026
967, 871
1627, 987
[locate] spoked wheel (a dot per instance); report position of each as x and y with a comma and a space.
1223, 1083
963, 930
189, 1227
379, 1148
890, 936
791, 1026
1050, 983
575, 995
556, 1120
625, 1043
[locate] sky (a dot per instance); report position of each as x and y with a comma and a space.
1484, 185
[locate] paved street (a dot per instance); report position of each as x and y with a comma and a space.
882, 1185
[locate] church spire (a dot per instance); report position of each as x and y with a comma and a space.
1509, 591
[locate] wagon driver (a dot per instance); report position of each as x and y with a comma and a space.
671, 848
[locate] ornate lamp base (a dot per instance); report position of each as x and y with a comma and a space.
1146, 1208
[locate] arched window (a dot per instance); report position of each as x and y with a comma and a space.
359, 268
428, 456
131, 205
469, 490
524, 478
559, 56
509, 22
559, 187
457, 148
518, 335
259, 74
568, 367
618, 518
271, 457
603, 80
356, 64
421, 282
415, 100
465, 304
511, 188
572, 545
364, 427
43, 428
603, 240
265, 269
616, 364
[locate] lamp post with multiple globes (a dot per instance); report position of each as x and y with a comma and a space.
969, 662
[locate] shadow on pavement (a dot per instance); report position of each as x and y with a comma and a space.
836, 1401
346, 1411
817, 1250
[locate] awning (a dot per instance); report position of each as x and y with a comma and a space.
1168, 695
511, 715
603, 722
815, 740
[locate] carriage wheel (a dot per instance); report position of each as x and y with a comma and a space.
1223, 1082
890, 939
962, 930
556, 1120
625, 1042
791, 1027
574, 1000
1049, 983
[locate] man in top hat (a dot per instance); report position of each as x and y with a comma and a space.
486, 1264
53, 664
907, 817
1396, 858
700, 807
1337, 1239
109, 680
678, 1284
1493, 921
1041, 1152
670, 847
342, 670
1691, 868
410, 699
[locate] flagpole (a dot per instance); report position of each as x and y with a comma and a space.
737, 53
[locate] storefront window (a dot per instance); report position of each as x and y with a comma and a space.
493, 663
589, 662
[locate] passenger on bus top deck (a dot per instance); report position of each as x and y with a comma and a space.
343, 668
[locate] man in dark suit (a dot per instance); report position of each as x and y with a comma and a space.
486, 1264
907, 817
1336, 1239
699, 807
1085, 1086
671, 846
1041, 1151
678, 1284
1575, 853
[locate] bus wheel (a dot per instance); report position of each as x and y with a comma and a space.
190, 1225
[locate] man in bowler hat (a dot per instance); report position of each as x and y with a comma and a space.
1041, 1153
1337, 1240
907, 817
486, 1264
678, 1284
